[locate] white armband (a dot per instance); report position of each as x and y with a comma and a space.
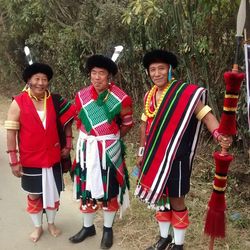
144, 117
203, 112
141, 151
13, 125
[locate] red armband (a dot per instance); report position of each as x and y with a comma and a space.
13, 158
216, 134
15, 163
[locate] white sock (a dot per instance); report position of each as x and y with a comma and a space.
88, 219
108, 218
37, 218
51, 214
179, 236
164, 228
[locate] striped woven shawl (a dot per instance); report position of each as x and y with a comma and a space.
164, 138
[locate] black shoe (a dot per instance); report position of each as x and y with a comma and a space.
175, 247
107, 238
84, 233
161, 244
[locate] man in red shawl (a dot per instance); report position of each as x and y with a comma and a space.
171, 122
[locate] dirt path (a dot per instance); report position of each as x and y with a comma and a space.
15, 224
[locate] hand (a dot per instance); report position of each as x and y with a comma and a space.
65, 152
225, 141
17, 170
138, 161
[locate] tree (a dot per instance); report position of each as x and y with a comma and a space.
64, 34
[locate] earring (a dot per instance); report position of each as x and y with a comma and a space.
170, 73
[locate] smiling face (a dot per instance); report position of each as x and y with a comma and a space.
100, 79
158, 73
38, 84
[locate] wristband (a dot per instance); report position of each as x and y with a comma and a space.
13, 158
10, 151
14, 163
216, 134
141, 151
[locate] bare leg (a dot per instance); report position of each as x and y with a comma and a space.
177, 203
36, 213
36, 234
54, 231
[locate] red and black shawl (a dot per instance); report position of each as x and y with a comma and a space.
165, 136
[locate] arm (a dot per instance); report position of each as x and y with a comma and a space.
66, 113
142, 134
126, 120
142, 142
209, 119
124, 130
68, 133
78, 107
12, 133
212, 124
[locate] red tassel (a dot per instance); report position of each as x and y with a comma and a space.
215, 220
217, 202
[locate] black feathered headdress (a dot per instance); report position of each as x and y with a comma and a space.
101, 61
37, 68
159, 56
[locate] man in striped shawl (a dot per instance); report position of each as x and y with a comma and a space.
32, 128
101, 178
171, 123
